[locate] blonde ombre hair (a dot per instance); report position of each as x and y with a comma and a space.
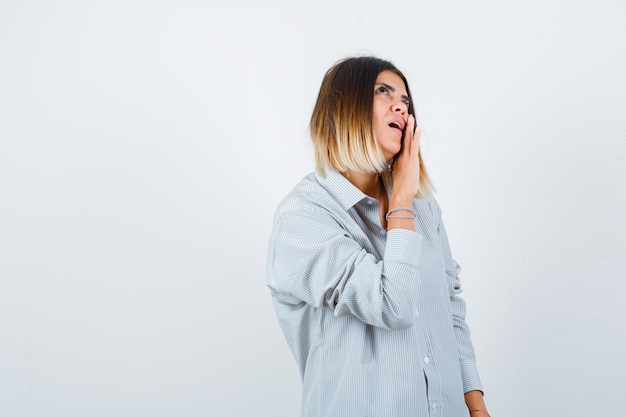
341, 123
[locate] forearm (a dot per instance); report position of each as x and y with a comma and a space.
406, 179
476, 404
399, 219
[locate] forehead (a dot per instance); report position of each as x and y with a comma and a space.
392, 79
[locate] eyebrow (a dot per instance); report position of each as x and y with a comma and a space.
393, 90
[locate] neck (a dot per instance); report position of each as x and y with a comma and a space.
369, 183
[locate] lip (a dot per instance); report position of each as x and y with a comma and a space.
399, 121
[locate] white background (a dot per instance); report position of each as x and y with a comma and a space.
144, 146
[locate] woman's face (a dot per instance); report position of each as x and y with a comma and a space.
390, 112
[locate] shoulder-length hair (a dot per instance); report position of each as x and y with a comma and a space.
341, 123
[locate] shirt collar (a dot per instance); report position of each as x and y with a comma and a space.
340, 188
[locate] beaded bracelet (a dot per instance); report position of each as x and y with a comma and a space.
480, 411
393, 210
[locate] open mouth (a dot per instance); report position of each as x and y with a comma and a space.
396, 125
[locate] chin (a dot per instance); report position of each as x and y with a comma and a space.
391, 153
389, 157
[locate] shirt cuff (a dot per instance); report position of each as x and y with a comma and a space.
471, 380
403, 246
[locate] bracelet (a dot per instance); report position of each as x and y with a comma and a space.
479, 411
393, 210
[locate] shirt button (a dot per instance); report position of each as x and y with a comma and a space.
433, 407
369, 202
427, 359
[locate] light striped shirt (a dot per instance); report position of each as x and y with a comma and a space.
372, 317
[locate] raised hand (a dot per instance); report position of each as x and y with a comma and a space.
406, 167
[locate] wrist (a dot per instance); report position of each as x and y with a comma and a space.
400, 213
400, 201
400, 217
476, 404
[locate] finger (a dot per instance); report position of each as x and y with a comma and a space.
410, 126
417, 136
413, 135
408, 133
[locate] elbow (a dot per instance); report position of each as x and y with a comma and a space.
401, 324
401, 320
399, 309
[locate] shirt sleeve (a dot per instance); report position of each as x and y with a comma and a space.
467, 357
313, 260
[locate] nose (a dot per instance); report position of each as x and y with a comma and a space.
399, 106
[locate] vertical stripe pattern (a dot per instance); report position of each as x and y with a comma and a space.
373, 318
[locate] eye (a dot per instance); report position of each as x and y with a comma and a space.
382, 90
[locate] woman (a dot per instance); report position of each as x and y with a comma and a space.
359, 267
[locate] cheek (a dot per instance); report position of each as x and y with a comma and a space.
378, 121
376, 125
378, 112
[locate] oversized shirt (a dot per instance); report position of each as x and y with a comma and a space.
372, 317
